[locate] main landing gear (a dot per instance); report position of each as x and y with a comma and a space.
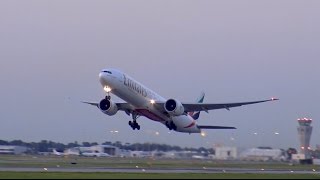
134, 125
171, 125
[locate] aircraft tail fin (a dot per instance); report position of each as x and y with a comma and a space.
196, 115
216, 127
56, 152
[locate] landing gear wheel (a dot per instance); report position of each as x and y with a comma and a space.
134, 125
173, 126
168, 126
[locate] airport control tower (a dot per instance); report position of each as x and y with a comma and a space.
304, 132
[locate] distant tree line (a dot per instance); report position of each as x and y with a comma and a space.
47, 146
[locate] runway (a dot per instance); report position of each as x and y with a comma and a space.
161, 170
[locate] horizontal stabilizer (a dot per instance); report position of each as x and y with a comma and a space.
216, 127
91, 103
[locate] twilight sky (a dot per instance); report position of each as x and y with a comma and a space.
52, 51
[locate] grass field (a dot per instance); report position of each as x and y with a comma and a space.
69, 162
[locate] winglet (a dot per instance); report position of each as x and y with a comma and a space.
274, 99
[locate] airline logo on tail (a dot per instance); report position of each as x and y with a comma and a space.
196, 115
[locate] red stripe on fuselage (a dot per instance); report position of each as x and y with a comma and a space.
149, 115
190, 125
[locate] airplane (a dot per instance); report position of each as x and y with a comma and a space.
94, 154
141, 101
55, 152
76, 153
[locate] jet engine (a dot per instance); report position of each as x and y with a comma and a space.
174, 107
108, 107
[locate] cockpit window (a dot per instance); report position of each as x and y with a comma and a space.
109, 72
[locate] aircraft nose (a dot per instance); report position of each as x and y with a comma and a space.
101, 75
102, 78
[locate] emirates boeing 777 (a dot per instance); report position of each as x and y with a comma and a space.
141, 101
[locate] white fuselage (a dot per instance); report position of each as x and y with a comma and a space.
140, 97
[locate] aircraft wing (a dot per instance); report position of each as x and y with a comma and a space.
190, 107
121, 106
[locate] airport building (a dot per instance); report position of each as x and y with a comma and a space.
98, 151
263, 154
225, 153
111, 150
12, 149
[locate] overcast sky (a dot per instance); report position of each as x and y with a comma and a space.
52, 51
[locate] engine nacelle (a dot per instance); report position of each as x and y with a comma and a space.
174, 107
108, 107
